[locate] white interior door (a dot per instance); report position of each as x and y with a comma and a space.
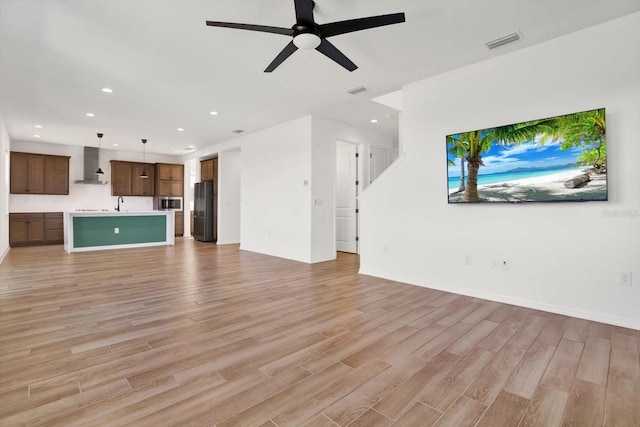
378, 162
346, 197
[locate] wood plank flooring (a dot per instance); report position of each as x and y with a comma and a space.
206, 335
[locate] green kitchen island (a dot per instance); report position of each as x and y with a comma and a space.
98, 230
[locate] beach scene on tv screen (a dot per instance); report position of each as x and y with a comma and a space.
561, 158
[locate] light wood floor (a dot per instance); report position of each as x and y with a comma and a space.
202, 335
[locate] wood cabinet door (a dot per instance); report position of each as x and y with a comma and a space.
176, 188
121, 178
164, 172
18, 230
35, 174
53, 227
177, 172
169, 188
19, 173
27, 173
56, 175
206, 170
179, 222
26, 228
142, 186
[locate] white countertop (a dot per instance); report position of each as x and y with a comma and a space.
113, 212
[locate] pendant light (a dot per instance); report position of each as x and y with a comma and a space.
99, 171
143, 175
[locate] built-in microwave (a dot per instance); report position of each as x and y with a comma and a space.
169, 203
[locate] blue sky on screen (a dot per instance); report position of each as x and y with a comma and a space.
504, 158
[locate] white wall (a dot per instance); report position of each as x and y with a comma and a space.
81, 196
325, 134
229, 196
565, 257
276, 190
5, 148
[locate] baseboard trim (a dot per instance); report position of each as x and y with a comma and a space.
507, 299
4, 254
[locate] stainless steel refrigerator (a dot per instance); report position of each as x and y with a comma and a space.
204, 212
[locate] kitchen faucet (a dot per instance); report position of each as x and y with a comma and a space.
118, 207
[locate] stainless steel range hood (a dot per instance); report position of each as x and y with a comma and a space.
91, 160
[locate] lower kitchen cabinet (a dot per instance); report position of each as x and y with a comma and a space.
179, 223
35, 228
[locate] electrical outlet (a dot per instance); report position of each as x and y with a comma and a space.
116, 230
468, 260
495, 263
625, 278
504, 263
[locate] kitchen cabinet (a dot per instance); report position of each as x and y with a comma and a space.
39, 174
56, 175
53, 228
169, 180
170, 172
179, 222
126, 181
142, 186
121, 174
26, 229
209, 170
35, 228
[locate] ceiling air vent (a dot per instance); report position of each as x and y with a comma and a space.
237, 131
509, 38
356, 90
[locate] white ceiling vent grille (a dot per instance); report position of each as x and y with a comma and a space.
509, 38
357, 90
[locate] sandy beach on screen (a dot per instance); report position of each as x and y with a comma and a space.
541, 188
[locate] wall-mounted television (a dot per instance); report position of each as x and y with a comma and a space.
560, 158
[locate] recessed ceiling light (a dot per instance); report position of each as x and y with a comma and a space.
107, 90
213, 113
37, 126
36, 136
374, 120
180, 130
115, 145
90, 115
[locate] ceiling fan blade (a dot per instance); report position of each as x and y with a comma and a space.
284, 54
332, 52
351, 25
304, 11
251, 27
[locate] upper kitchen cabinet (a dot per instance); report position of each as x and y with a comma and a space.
121, 176
209, 170
56, 175
126, 181
169, 179
142, 186
39, 174
170, 172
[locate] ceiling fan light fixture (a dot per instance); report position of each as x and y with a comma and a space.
306, 41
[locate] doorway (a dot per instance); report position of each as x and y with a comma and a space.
348, 182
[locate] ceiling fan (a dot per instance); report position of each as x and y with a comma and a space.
309, 35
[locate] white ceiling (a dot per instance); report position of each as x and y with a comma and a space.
168, 69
